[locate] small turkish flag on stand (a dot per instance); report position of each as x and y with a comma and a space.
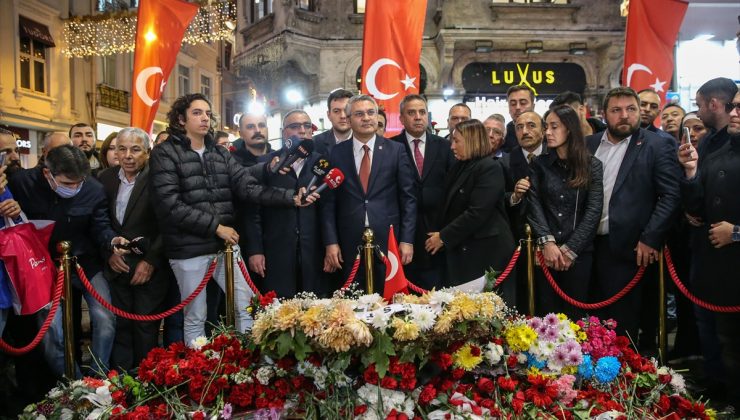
652, 28
391, 48
395, 279
160, 26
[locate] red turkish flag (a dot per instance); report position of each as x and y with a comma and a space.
159, 30
395, 279
652, 28
391, 47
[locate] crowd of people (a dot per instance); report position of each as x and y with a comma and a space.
602, 198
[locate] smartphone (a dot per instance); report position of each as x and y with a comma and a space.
686, 135
2, 158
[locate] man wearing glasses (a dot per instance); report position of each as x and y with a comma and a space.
288, 240
713, 99
378, 191
496, 128
65, 192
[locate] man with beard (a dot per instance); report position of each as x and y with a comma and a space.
670, 120
520, 99
340, 128
641, 198
10, 148
83, 138
710, 190
253, 141
649, 110
711, 99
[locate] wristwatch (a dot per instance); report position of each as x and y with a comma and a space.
736, 233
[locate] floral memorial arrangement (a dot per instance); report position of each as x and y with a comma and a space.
443, 355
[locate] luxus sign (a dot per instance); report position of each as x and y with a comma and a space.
542, 78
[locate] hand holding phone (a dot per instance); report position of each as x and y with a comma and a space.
686, 136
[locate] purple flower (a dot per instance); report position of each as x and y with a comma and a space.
535, 323
570, 346
226, 412
560, 356
551, 320
551, 334
574, 358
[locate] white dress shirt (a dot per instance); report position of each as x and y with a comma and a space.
611, 155
124, 194
537, 152
359, 153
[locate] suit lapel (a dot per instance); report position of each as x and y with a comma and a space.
430, 153
633, 149
113, 184
139, 186
461, 179
379, 153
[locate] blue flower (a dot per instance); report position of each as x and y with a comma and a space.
534, 362
607, 368
586, 368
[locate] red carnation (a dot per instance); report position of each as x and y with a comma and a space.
486, 385
507, 383
389, 383
199, 415
458, 373
370, 375
427, 395
518, 402
267, 298
360, 409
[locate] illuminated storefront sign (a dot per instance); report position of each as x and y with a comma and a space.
543, 78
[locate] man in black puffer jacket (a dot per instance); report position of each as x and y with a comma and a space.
195, 185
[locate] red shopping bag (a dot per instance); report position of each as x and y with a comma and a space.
24, 250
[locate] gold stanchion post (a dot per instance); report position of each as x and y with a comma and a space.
369, 237
229, 268
67, 323
662, 325
530, 269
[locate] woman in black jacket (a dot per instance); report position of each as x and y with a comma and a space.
476, 230
565, 202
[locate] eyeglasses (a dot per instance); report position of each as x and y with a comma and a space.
731, 105
297, 126
494, 131
361, 114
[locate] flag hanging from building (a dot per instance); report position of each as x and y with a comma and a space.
391, 48
160, 28
652, 28
395, 279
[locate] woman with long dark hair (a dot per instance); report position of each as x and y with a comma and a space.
565, 202
475, 233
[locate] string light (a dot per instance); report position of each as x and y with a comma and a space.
115, 33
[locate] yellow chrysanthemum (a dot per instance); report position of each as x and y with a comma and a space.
520, 337
360, 332
465, 305
581, 336
569, 370
287, 316
260, 327
562, 316
444, 323
466, 357
336, 338
404, 330
311, 321
711, 413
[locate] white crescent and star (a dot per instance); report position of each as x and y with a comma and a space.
634, 67
142, 78
372, 72
393, 260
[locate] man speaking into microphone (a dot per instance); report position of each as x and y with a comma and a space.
291, 237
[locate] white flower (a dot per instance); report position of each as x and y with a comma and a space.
380, 320
493, 353
264, 374
521, 358
423, 317
54, 393
67, 414
609, 415
677, 382
370, 302
198, 342
440, 298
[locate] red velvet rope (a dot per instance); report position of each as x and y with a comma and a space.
245, 273
353, 273
155, 317
695, 300
55, 299
505, 274
578, 304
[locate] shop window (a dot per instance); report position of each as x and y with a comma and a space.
309, 5
33, 64
205, 86
183, 80
108, 66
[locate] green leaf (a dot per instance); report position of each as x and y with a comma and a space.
284, 344
302, 348
378, 353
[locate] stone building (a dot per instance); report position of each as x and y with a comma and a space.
472, 51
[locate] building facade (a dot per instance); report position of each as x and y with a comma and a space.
43, 90
472, 51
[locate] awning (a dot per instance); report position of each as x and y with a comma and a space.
35, 30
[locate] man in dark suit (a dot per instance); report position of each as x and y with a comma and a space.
378, 191
641, 198
290, 237
649, 110
458, 113
496, 128
430, 155
340, 127
520, 99
136, 281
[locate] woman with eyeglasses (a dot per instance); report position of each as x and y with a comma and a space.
476, 233
565, 202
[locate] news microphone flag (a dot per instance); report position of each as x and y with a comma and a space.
395, 279
160, 27
652, 28
391, 49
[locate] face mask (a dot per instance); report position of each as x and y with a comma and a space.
63, 191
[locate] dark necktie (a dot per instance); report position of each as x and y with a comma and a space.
530, 157
418, 157
365, 168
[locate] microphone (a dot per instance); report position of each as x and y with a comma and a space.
332, 180
299, 149
319, 169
